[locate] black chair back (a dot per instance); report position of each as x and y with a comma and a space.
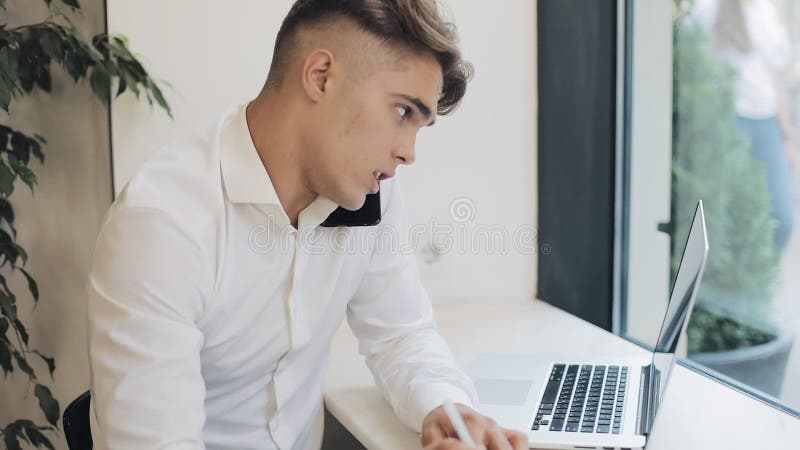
76, 423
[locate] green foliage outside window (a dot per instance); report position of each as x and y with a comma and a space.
712, 161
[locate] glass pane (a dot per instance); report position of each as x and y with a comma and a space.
736, 98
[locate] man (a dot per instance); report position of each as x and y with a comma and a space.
214, 292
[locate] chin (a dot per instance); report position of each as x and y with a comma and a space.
353, 202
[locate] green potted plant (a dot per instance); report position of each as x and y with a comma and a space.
732, 329
28, 54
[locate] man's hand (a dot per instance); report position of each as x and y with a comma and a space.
439, 434
452, 444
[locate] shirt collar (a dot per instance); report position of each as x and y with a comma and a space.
246, 180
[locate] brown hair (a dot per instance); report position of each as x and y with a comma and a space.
415, 25
730, 27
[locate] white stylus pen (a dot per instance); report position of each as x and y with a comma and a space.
458, 423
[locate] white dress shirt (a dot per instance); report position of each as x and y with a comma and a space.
211, 316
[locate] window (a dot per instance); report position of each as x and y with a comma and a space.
712, 94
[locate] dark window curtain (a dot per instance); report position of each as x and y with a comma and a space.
577, 42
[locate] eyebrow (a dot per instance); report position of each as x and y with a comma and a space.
423, 108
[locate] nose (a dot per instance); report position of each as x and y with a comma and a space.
404, 152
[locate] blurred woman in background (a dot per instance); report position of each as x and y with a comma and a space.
750, 35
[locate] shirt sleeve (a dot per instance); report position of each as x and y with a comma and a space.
392, 318
146, 293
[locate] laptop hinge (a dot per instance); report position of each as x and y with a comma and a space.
648, 399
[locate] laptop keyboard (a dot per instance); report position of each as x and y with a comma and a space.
583, 398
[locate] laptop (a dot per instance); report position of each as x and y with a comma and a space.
595, 402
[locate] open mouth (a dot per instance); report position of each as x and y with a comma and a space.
380, 176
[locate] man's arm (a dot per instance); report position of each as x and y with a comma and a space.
147, 289
392, 318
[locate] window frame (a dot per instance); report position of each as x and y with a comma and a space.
627, 69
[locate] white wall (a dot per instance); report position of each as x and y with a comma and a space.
58, 225
217, 56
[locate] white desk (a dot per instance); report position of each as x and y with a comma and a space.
697, 412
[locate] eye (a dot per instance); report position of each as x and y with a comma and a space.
404, 111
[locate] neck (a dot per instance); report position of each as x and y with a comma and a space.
277, 140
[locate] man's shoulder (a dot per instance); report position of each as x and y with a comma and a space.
181, 179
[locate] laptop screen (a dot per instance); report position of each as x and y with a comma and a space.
681, 302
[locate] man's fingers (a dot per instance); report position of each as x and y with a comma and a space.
452, 444
439, 434
496, 439
517, 440
432, 433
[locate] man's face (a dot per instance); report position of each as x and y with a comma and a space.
371, 126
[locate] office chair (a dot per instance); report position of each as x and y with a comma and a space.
76, 423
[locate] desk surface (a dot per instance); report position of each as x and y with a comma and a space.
697, 413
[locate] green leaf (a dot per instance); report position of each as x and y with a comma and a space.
8, 76
32, 286
51, 363
27, 431
24, 172
43, 79
21, 330
166, 83
38, 439
7, 214
21, 254
50, 41
11, 439
5, 134
72, 3
6, 210
3, 327
130, 80
36, 149
9, 65
160, 98
120, 49
5, 357
74, 65
101, 85
8, 306
122, 86
47, 403
3, 4
22, 363
5, 99
20, 146
9, 251
6, 180
39, 138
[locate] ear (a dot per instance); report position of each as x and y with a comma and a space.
316, 73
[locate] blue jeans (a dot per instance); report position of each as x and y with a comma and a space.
767, 146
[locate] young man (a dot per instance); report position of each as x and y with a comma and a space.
214, 292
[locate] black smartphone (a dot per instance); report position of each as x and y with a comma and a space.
367, 215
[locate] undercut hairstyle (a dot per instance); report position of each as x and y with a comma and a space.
412, 25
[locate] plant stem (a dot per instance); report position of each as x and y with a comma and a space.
30, 25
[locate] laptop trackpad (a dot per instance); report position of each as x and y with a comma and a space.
492, 391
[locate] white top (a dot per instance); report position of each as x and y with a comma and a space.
211, 317
756, 84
